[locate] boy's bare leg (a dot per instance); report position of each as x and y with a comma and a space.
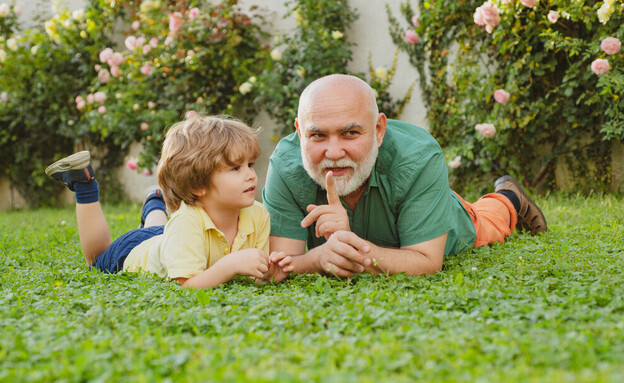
93, 230
156, 218
76, 173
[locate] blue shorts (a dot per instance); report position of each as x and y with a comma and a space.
112, 259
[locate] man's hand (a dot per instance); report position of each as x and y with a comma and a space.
331, 217
280, 265
344, 254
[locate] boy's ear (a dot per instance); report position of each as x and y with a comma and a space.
199, 192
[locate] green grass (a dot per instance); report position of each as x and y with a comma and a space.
547, 308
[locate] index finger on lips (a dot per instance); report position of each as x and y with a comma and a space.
332, 195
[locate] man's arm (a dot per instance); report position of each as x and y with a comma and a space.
423, 258
345, 254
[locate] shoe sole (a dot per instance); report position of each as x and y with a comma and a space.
76, 161
532, 204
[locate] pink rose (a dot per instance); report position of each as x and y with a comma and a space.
553, 16
17, 8
135, 25
175, 22
4, 97
501, 96
415, 21
79, 99
102, 109
146, 69
490, 14
412, 37
190, 114
478, 16
135, 107
610, 45
106, 54
140, 41
146, 49
528, 3
144, 126
486, 130
147, 172
455, 163
153, 42
80, 105
600, 66
97, 67
131, 164
151, 104
130, 42
193, 13
116, 59
104, 76
90, 98
114, 70
99, 97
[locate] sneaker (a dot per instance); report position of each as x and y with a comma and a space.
153, 192
73, 169
530, 217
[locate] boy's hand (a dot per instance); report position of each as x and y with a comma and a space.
250, 262
331, 217
280, 265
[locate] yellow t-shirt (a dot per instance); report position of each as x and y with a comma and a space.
191, 243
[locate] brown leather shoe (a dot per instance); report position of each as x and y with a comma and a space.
530, 217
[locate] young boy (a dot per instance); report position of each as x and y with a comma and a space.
216, 230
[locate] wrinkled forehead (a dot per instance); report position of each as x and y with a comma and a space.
336, 107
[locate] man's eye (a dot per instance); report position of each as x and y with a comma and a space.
351, 133
317, 135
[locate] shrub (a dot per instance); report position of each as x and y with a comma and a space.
38, 79
317, 47
527, 74
178, 58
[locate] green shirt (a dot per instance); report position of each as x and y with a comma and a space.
407, 201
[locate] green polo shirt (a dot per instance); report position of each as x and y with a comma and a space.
407, 200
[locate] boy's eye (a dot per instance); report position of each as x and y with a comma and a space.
251, 164
236, 168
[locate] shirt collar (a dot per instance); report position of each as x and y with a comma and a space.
245, 220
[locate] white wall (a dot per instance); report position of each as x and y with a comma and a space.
369, 32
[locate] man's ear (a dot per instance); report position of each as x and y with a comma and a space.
297, 127
380, 128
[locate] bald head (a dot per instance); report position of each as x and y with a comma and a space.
324, 89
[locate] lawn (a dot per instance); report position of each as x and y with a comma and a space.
547, 308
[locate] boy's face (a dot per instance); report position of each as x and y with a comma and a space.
233, 187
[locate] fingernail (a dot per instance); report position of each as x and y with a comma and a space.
367, 261
366, 248
361, 269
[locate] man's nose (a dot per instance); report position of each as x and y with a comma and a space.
334, 151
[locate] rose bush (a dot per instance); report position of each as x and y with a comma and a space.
177, 57
318, 46
561, 70
42, 70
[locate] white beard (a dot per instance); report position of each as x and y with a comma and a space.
345, 184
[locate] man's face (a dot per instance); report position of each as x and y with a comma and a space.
339, 133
